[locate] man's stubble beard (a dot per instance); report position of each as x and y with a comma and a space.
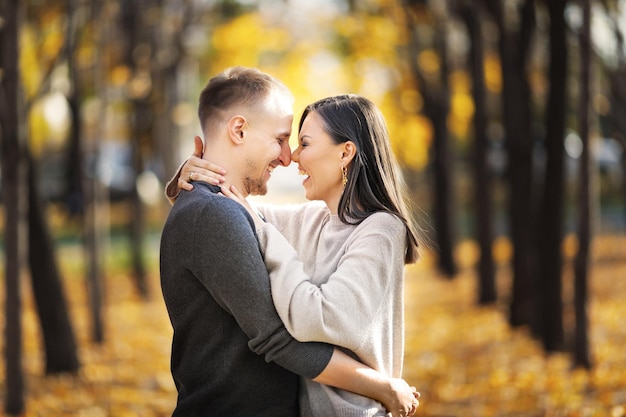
254, 186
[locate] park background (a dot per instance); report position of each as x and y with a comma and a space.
507, 116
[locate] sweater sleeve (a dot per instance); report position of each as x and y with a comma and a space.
339, 310
231, 267
171, 188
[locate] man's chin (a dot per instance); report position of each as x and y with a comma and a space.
259, 191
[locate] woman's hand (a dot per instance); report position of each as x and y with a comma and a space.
345, 372
198, 169
402, 399
234, 194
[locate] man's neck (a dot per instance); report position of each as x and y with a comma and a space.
232, 176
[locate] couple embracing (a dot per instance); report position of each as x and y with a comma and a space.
287, 310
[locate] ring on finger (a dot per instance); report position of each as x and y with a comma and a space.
190, 176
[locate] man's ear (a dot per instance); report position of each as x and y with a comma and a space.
198, 146
348, 152
236, 128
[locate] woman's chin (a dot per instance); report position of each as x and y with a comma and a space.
308, 194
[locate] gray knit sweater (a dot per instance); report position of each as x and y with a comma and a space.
339, 284
228, 340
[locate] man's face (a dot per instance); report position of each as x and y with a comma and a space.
268, 133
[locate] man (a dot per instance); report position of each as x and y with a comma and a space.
231, 355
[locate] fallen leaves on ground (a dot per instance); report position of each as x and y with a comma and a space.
465, 359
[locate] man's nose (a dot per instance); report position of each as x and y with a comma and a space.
285, 154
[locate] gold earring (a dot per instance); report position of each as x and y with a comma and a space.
344, 174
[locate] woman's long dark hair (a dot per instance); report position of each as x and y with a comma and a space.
374, 179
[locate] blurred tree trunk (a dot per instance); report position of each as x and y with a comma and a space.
514, 46
581, 344
92, 189
621, 137
470, 14
58, 334
139, 51
75, 197
165, 133
436, 108
551, 218
617, 90
15, 202
166, 95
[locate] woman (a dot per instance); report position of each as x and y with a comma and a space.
336, 267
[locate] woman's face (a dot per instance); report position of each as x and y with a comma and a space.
319, 160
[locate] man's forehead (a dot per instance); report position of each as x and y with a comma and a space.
280, 103
284, 125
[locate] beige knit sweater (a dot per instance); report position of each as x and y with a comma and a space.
340, 284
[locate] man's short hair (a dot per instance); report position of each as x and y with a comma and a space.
236, 86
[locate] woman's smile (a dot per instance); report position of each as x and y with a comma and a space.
303, 172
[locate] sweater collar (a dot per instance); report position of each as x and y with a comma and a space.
216, 189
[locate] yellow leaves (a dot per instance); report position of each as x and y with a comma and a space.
140, 85
502, 250
120, 75
52, 44
411, 100
183, 114
245, 40
410, 133
360, 57
126, 376
39, 47
49, 123
428, 61
461, 104
465, 360
86, 55
493, 73
369, 37
468, 361
410, 138
30, 65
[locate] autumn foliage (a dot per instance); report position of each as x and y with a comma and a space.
465, 360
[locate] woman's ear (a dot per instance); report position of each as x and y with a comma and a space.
236, 128
348, 152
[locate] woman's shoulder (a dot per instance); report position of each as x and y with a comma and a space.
307, 209
385, 221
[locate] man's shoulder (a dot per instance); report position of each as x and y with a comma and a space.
205, 207
207, 197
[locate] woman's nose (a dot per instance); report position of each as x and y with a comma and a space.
295, 154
